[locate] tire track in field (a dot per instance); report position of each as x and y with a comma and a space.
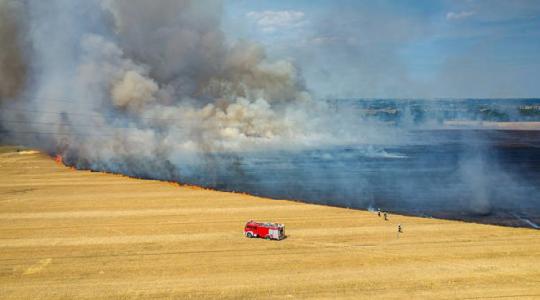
148, 212
109, 240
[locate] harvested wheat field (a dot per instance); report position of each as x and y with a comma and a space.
80, 234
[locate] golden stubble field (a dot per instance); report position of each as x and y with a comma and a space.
78, 234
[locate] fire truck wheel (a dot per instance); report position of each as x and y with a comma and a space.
249, 235
267, 237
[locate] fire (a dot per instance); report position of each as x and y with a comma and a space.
59, 159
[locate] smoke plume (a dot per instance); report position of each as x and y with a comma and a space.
12, 61
128, 81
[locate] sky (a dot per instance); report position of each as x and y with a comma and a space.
399, 48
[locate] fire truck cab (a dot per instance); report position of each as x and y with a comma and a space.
269, 231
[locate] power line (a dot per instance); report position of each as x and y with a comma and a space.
49, 123
53, 133
69, 126
59, 100
49, 112
94, 115
73, 125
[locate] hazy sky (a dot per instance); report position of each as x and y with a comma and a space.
406, 49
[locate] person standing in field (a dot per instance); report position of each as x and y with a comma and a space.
385, 216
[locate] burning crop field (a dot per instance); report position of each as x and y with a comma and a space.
138, 137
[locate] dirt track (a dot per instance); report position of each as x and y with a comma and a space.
66, 234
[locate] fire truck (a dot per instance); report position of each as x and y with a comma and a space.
269, 231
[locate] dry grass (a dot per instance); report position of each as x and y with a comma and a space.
77, 234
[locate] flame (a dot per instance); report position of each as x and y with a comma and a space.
59, 159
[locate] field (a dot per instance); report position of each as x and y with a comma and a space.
80, 234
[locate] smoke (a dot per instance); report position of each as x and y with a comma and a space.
13, 67
115, 83
133, 90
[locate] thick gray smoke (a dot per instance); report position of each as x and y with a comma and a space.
12, 63
124, 85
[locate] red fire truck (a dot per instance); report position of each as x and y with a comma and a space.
269, 231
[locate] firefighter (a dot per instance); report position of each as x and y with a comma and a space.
379, 212
399, 228
385, 216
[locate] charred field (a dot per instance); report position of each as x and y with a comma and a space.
485, 176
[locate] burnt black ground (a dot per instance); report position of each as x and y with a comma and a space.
485, 176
